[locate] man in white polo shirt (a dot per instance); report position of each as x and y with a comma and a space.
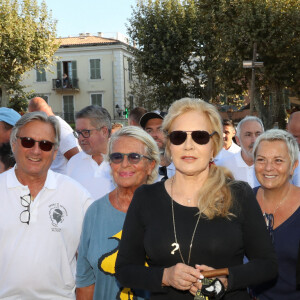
40, 218
229, 147
93, 129
241, 164
68, 144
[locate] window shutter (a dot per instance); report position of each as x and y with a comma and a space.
38, 76
74, 69
59, 71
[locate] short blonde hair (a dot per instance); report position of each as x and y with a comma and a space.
215, 197
141, 135
279, 135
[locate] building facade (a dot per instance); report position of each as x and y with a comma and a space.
89, 70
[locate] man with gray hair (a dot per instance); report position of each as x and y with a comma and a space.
68, 144
93, 129
241, 164
35, 243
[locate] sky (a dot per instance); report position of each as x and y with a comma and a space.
81, 16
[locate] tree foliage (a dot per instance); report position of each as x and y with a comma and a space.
27, 40
196, 47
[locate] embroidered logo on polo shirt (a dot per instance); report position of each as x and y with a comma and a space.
57, 214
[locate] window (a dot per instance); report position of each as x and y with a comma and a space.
96, 99
40, 74
68, 105
130, 69
95, 69
67, 74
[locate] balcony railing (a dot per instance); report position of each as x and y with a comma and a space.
62, 85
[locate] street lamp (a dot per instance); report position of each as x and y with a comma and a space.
252, 64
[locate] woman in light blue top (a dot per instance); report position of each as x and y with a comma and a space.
134, 157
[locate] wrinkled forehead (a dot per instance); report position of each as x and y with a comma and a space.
251, 126
37, 129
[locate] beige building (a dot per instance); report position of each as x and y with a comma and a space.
89, 70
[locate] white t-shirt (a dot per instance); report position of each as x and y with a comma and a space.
97, 179
37, 261
234, 148
67, 142
239, 169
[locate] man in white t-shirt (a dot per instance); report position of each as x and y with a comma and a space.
40, 218
151, 122
68, 146
293, 127
229, 146
93, 129
241, 164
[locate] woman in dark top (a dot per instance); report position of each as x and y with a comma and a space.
276, 157
196, 221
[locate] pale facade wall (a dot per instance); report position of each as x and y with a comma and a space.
114, 84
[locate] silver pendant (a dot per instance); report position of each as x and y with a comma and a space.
176, 247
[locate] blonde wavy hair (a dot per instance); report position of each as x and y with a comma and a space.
215, 199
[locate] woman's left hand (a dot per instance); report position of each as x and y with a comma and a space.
198, 285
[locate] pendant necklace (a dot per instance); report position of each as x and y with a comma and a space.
269, 217
176, 244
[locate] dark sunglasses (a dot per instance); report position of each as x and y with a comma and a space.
28, 142
133, 158
200, 137
86, 133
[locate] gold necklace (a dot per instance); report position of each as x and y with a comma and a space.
280, 203
176, 244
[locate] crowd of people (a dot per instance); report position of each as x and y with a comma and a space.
176, 205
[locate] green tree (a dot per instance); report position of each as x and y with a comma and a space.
163, 35
27, 40
196, 47
274, 25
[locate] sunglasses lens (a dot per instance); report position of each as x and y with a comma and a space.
116, 157
27, 142
200, 137
177, 137
45, 145
134, 158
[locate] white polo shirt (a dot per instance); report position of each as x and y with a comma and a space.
239, 169
37, 261
234, 148
67, 142
97, 179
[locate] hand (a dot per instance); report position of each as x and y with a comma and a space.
195, 287
180, 276
223, 279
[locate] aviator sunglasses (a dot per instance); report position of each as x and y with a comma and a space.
200, 137
133, 158
28, 142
